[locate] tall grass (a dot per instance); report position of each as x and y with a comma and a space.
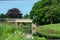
9, 31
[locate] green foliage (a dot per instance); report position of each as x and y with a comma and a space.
2, 16
26, 16
45, 11
26, 27
9, 31
52, 30
16, 36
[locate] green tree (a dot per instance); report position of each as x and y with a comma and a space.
26, 16
45, 12
2, 15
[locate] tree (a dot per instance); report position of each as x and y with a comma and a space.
45, 12
26, 16
2, 15
14, 13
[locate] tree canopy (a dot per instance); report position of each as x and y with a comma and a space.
2, 15
26, 16
45, 12
14, 13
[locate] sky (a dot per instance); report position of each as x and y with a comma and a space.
24, 6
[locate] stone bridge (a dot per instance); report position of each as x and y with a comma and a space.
17, 20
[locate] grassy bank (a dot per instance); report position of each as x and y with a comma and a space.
52, 30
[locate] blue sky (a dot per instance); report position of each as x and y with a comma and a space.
24, 6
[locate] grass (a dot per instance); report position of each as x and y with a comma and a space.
52, 30
9, 31
16, 36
